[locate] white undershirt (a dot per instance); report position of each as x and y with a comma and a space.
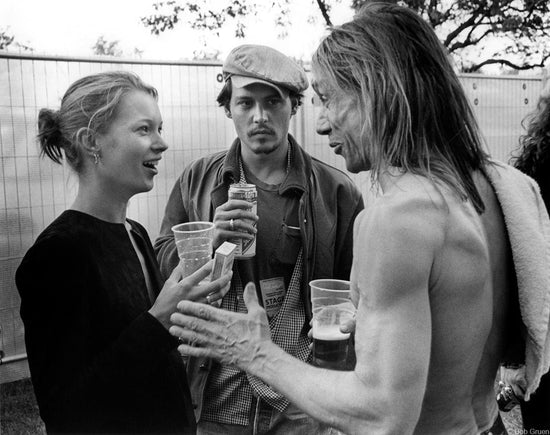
141, 258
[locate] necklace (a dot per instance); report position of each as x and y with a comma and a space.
242, 178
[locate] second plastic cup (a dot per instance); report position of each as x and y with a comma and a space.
332, 308
194, 244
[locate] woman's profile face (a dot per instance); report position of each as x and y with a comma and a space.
132, 146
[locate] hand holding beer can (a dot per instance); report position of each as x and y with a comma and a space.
332, 308
247, 192
506, 399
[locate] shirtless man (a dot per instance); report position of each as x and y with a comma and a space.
432, 274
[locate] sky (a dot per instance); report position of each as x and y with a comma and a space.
71, 27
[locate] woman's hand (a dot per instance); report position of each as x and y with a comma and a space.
515, 377
234, 220
177, 288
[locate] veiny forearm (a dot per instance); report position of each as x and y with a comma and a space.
336, 398
374, 398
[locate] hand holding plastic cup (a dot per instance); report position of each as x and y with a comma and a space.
332, 308
194, 244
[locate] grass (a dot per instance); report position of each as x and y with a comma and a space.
19, 411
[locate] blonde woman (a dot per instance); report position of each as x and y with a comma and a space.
93, 304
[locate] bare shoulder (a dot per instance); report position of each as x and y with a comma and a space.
397, 238
412, 208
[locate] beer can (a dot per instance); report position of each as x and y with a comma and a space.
506, 399
247, 192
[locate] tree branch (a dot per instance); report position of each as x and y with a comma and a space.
324, 11
468, 41
506, 62
468, 23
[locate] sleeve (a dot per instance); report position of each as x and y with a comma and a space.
174, 213
75, 383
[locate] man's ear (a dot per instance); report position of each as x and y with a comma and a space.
293, 110
227, 112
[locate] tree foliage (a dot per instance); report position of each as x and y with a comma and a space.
213, 15
7, 39
102, 47
513, 33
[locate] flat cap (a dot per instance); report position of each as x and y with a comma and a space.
262, 64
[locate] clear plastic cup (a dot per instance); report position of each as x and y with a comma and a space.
332, 307
194, 244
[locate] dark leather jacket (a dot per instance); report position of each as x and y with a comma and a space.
329, 203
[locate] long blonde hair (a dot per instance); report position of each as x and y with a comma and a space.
417, 113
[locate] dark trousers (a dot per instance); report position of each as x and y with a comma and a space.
536, 412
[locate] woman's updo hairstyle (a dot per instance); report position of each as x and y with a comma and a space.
87, 108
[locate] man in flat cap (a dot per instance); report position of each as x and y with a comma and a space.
303, 229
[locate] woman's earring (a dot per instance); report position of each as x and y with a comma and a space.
96, 158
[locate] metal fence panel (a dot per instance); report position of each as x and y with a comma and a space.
34, 191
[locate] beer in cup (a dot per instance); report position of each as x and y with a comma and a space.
194, 244
332, 308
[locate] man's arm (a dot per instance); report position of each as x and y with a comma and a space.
385, 391
165, 246
350, 205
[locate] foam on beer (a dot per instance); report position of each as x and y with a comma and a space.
328, 332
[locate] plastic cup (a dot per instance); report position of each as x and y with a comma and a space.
332, 307
194, 244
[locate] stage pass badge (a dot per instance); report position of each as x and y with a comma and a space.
273, 295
